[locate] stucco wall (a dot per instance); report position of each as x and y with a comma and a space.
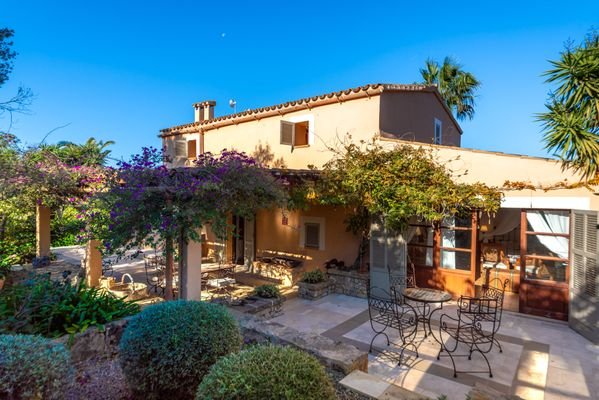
411, 116
330, 124
274, 238
495, 169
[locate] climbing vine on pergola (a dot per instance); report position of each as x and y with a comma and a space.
397, 184
151, 204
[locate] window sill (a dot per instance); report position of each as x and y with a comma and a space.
301, 146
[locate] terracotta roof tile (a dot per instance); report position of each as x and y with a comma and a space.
376, 88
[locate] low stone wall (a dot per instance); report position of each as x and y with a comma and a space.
350, 283
287, 276
334, 355
95, 342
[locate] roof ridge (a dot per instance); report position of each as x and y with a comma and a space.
306, 100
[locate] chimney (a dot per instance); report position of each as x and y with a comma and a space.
203, 110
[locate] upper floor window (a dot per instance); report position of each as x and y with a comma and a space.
295, 133
186, 148
438, 131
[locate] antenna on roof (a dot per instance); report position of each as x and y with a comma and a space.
233, 105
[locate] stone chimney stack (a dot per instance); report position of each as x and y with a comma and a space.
203, 110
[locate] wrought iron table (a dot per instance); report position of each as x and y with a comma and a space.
426, 297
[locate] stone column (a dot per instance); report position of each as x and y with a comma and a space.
42, 229
93, 264
192, 290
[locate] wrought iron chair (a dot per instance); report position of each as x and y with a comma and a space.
407, 280
474, 327
154, 274
220, 283
390, 311
495, 289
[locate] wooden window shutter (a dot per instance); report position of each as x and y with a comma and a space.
288, 133
191, 149
180, 148
312, 238
584, 277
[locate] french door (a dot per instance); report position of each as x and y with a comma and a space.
544, 262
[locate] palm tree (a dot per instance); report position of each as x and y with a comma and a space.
571, 123
457, 87
92, 152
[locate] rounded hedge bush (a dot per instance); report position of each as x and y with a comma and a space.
267, 372
33, 367
167, 349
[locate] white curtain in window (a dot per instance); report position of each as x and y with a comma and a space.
551, 222
448, 240
506, 220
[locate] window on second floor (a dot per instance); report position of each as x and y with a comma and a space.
438, 132
186, 149
295, 134
192, 152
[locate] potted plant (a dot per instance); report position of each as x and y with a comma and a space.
313, 285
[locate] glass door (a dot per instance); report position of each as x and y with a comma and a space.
544, 262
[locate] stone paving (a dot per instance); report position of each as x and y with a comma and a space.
541, 359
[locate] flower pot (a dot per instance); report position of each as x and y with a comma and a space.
313, 291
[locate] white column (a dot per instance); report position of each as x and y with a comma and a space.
192, 290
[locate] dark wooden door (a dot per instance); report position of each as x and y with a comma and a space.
544, 263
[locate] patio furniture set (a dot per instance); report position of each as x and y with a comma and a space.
218, 281
408, 310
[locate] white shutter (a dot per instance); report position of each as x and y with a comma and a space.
584, 276
248, 242
181, 148
387, 252
288, 133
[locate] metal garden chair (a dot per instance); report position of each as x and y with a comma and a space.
390, 311
474, 328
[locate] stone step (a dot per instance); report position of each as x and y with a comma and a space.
250, 279
377, 388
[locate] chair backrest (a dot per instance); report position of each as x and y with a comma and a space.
380, 301
475, 310
495, 289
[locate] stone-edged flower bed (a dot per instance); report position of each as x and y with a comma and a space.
314, 285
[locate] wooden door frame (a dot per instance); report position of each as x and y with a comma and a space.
469, 276
527, 285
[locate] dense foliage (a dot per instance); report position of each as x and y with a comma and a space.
152, 205
51, 175
571, 122
44, 307
268, 291
32, 367
457, 87
267, 372
396, 184
167, 349
314, 276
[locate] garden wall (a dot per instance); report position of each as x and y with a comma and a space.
95, 342
350, 283
335, 355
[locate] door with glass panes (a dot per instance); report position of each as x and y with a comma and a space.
544, 262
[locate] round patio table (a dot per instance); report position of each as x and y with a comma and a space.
426, 297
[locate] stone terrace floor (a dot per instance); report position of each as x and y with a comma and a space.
541, 359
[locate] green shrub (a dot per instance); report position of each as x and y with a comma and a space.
267, 291
267, 372
167, 349
314, 276
32, 367
48, 308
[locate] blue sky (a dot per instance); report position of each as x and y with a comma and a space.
122, 70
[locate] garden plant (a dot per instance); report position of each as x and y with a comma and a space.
167, 349
267, 372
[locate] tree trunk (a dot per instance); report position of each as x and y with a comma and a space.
168, 273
